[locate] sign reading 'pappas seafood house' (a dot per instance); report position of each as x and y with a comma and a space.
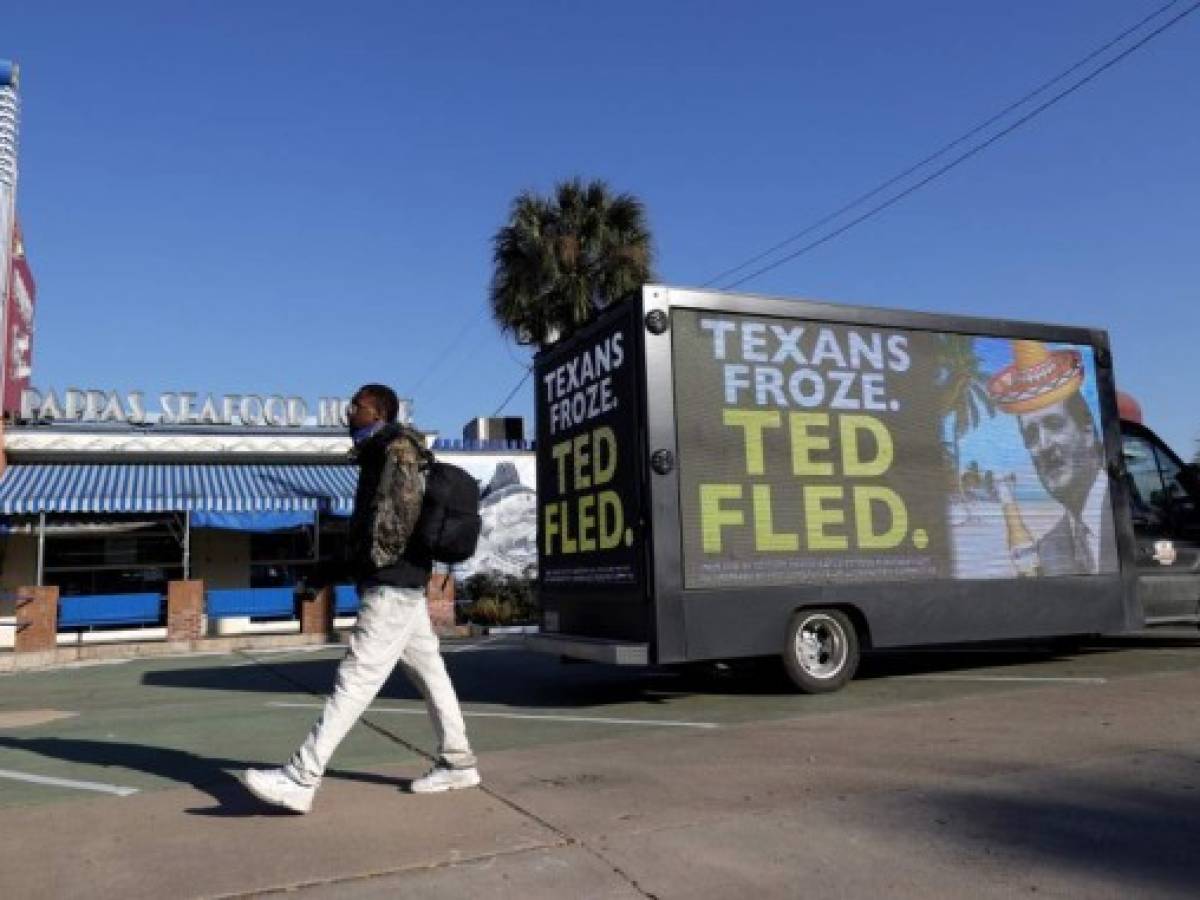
187, 408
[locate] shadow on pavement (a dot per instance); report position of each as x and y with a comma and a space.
1136, 827
214, 776
510, 678
514, 677
946, 660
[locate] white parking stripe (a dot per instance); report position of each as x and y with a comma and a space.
1006, 678
68, 783
589, 720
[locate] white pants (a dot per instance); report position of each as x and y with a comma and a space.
393, 627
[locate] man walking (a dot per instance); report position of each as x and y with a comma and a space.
393, 620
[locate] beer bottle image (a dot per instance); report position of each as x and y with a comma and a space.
1022, 548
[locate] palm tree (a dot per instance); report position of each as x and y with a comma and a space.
560, 259
965, 399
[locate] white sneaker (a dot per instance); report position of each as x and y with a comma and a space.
276, 787
441, 778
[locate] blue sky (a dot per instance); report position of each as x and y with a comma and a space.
269, 197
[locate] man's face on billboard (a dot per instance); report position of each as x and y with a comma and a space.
1063, 452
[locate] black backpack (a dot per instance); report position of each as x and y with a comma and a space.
449, 524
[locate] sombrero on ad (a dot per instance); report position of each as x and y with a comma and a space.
1037, 378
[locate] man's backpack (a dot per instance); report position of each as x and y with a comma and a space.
449, 524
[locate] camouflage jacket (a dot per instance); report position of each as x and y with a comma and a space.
387, 504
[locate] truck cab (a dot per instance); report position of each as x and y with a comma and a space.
1164, 501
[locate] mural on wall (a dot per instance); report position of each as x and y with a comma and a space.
508, 506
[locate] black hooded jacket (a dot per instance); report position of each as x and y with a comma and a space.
387, 503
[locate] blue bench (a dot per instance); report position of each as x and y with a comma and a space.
86, 610
252, 602
345, 600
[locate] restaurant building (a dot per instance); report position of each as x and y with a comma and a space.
101, 497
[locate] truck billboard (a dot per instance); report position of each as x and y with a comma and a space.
591, 559
818, 452
587, 500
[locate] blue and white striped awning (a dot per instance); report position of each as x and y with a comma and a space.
153, 487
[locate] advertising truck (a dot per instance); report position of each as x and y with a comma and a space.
725, 476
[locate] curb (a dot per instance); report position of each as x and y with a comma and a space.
11, 661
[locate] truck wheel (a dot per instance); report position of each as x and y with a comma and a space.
821, 652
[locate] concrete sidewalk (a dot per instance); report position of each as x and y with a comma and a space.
1050, 791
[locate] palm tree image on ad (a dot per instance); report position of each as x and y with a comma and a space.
1032, 492
966, 401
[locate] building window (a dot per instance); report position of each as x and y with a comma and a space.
114, 557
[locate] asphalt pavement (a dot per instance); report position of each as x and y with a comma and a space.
989, 772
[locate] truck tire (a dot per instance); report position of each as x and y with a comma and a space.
821, 653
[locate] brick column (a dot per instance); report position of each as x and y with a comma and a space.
37, 619
185, 610
440, 593
316, 612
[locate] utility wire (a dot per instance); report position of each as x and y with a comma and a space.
942, 151
528, 371
963, 157
939, 152
513, 393
429, 369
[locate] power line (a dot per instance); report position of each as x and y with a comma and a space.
528, 371
937, 154
942, 150
513, 392
462, 332
965, 156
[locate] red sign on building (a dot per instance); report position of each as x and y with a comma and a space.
18, 320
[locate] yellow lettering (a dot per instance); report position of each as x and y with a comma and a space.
560, 453
766, 538
817, 516
752, 422
852, 463
549, 527
804, 443
605, 455
569, 544
611, 519
581, 458
713, 518
587, 522
864, 496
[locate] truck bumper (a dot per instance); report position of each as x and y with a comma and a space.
620, 653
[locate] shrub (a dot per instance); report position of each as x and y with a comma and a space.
499, 600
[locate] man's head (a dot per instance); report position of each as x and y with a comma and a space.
1062, 440
372, 404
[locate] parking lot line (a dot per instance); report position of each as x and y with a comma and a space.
1016, 678
588, 720
68, 783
